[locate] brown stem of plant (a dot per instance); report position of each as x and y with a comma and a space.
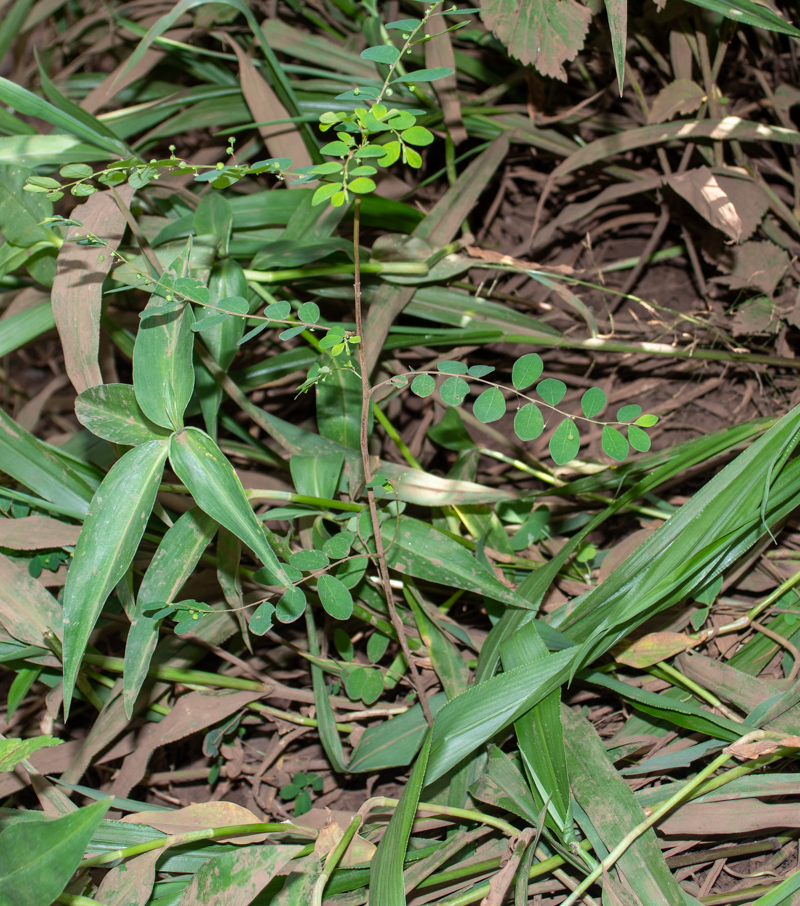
366, 402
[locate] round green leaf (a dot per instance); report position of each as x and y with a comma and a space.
423, 385
640, 440
308, 312
628, 413
278, 310
83, 189
335, 597
526, 370
647, 421
261, 620
308, 560
402, 120
339, 545
391, 154
372, 686
76, 171
385, 53
450, 367
614, 443
335, 149
353, 678
454, 391
489, 406
235, 305
565, 442
412, 158
291, 605
376, 646
551, 390
528, 422
351, 572
593, 402
480, 370
361, 185
325, 191
417, 135
291, 332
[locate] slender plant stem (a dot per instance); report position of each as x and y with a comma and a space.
366, 404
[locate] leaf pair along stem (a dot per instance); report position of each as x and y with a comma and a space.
366, 404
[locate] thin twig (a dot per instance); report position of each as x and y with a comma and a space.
366, 403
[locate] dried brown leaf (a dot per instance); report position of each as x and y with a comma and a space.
439, 52
27, 609
192, 712
740, 816
760, 265
199, 816
36, 533
358, 851
78, 286
282, 140
759, 747
543, 33
683, 96
700, 188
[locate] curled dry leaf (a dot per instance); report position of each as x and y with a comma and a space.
683, 96
759, 747
358, 851
199, 816
700, 188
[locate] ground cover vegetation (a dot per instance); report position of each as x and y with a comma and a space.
397, 453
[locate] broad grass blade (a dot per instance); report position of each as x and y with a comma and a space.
541, 738
211, 480
417, 549
111, 534
42, 468
24, 326
174, 562
163, 373
617, 12
386, 883
613, 811
111, 411
24, 101
38, 857
78, 287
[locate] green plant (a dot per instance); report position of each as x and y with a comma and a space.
392, 549
299, 790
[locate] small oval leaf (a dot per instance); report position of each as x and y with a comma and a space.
309, 560
335, 597
291, 605
526, 370
450, 367
454, 391
629, 413
565, 442
593, 402
551, 390
639, 440
489, 406
529, 422
423, 385
614, 443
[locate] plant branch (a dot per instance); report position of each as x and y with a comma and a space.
366, 404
